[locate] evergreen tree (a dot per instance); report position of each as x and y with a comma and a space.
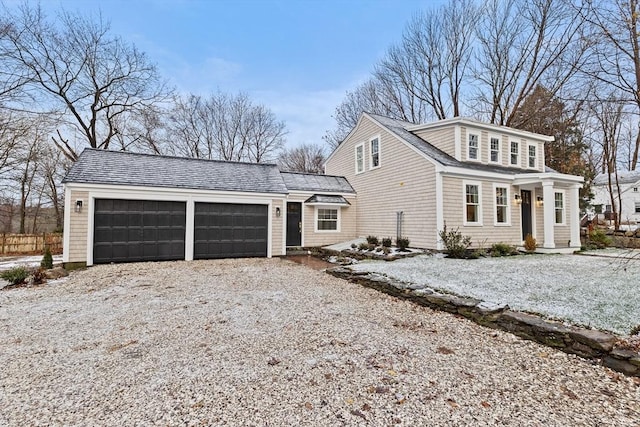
543, 113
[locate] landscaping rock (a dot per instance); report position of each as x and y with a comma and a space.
56, 273
594, 339
619, 365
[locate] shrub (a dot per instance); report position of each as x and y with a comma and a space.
501, 249
530, 244
372, 240
455, 243
39, 276
635, 330
354, 246
402, 243
386, 242
386, 250
599, 239
47, 259
364, 246
15, 276
379, 249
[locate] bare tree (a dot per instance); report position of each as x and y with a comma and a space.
616, 61
422, 77
265, 134
303, 158
523, 44
79, 70
225, 127
609, 115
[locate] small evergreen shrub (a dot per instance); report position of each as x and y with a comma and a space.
635, 330
402, 243
372, 240
47, 259
15, 276
364, 246
354, 246
501, 249
530, 243
386, 250
599, 239
455, 243
379, 249
386, 242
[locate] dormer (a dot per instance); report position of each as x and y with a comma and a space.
476, 142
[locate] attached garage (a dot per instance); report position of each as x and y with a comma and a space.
228, 230
129, 207
138, 230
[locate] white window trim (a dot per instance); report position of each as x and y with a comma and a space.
564, 207
535, 166
371, 167
519, 161
495, 136
478, 151
495, 206
464, 204
315, 218
355, 152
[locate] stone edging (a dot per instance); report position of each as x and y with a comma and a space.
587, 343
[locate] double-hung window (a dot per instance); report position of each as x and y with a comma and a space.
374, 150
472, 203
494, 146
502, 205
359, 158
533, 158
559, 207
473, 147
637, 206
514, 159
327, 219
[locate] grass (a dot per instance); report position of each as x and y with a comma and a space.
602, 293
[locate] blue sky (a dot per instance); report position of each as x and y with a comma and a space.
298, 57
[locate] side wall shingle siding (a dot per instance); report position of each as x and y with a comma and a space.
405, 181
78, 225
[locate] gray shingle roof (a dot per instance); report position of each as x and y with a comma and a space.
314, 182
625, 177
398, 127
324, 198
125, 168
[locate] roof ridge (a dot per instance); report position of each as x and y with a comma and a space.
164, 156
313, 174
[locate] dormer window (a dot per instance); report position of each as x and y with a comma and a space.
494, 146
532, 156
474, 148
515, 154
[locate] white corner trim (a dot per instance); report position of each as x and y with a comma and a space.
66, 236
439, 208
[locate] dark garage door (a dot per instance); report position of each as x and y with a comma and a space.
225, 230
138, 230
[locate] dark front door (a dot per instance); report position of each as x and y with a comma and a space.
138, 230
525, 208
227, 230
294, 224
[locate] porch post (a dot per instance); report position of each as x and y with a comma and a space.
574, 215
549, 215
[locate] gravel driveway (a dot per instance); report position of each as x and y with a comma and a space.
272, 343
